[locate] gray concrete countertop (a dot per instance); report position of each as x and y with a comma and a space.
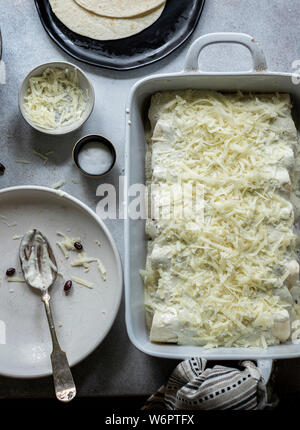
116, 368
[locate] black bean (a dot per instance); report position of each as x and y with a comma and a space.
10, 272
2, 169
78, 246
68, 286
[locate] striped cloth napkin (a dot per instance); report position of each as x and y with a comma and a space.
192, 386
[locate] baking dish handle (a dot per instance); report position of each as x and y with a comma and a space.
265, 367
258, 57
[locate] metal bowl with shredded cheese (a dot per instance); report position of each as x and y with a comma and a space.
56, 98
230, 278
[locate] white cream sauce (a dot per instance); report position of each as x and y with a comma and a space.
39, 270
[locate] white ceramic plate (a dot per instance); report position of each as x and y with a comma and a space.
84, 316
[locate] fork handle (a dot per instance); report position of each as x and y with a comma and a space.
64, 385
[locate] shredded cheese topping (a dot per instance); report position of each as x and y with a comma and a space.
221, 280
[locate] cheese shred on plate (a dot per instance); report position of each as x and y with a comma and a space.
222, 173
55, 99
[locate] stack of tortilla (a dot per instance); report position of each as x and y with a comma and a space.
107, 19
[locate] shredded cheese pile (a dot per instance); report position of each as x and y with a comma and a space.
67, 244
54, 99
224, 276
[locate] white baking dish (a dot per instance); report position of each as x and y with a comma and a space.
256, 80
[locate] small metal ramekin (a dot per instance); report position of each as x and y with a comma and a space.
93, 138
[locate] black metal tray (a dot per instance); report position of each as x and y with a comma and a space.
174, 26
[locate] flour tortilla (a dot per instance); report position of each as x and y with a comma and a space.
97, 27
120, 8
